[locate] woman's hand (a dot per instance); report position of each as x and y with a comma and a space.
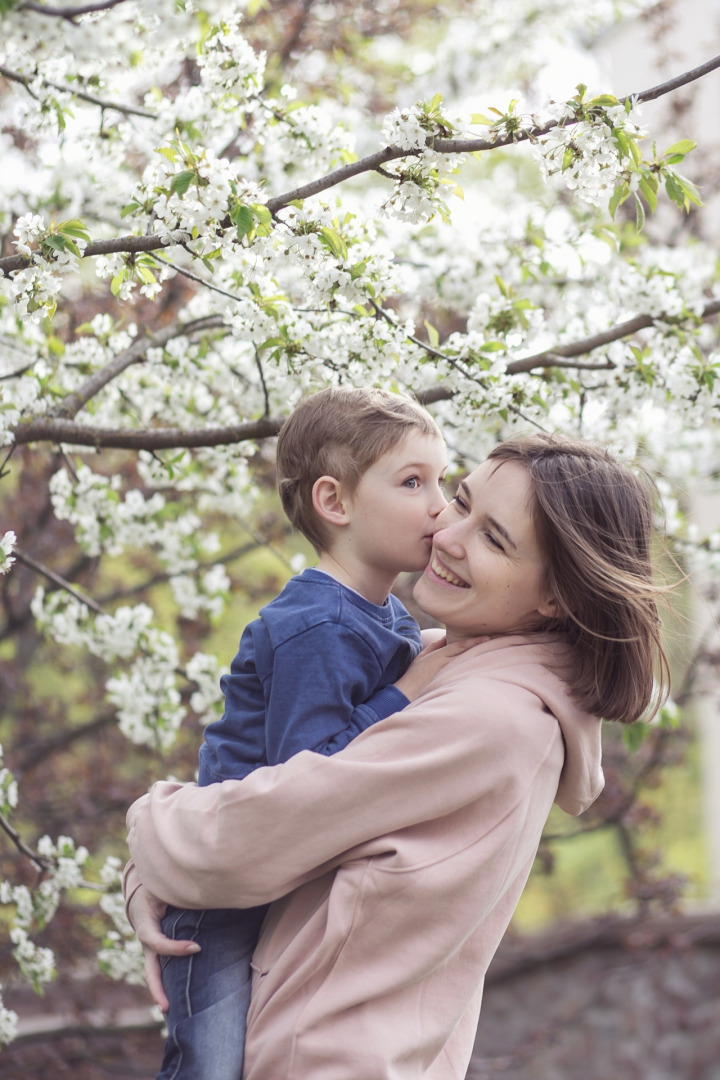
429, 662
145, 912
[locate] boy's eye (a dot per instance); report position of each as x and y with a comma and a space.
411, 482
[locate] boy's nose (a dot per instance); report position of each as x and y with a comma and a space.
437, 504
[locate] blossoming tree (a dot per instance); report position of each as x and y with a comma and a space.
210, 208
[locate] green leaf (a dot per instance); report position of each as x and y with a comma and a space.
433, 336
648, 193
263, 215
243, 220
74, 227
129, 208
145, 275
675, 191
334, 241
618, 197
691, 193
639, 213
181, 182
603, 101
117, 281
272, 343
568, 158
684, 146
480, 118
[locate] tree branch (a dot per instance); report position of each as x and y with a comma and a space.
469, 146
679, 80
56, 579
65, 431
60, 429
36, 753
366, 164
39, 862
127, 110
69, 12
128, 244
136, 352
586, 345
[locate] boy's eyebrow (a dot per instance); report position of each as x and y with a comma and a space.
491, 520
416, 465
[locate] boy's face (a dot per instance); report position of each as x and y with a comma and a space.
393, 509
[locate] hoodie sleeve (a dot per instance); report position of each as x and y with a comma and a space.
247, 842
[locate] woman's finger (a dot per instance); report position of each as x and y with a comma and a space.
153, 978
464, 644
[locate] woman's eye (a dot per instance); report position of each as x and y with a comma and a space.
460, 503
495, 543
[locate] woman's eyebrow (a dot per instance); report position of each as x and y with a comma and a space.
493, 522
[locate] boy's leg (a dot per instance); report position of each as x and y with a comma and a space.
209, 993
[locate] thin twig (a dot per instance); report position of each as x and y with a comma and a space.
56, 579
39, 861
127, 110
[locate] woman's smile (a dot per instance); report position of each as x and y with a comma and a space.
442, 571
487, 574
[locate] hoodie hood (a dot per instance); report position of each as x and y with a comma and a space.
542, 664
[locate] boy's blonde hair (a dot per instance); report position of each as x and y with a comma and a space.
339, 432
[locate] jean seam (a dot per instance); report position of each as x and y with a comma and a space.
188, 1004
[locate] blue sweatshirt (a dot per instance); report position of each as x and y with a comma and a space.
313, 671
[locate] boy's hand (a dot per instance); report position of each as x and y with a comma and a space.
429, 662
145, 912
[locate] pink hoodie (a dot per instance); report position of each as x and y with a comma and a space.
399, 862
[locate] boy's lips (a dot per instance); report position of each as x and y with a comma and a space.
440, 570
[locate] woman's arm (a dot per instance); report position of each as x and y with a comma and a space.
145, 913
247, 842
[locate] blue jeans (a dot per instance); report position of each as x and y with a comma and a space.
209, 992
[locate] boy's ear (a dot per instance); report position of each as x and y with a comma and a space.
329, 501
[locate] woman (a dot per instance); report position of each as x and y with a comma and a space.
400, 860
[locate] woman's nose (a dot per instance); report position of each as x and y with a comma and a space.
449, 537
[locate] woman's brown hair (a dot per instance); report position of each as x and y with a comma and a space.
594, 522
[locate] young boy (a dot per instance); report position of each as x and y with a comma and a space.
360, 474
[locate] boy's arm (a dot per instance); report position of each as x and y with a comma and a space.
246, 842
323, 692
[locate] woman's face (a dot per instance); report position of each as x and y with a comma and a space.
486, 573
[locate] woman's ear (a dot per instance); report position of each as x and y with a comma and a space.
329, 501
549, 607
